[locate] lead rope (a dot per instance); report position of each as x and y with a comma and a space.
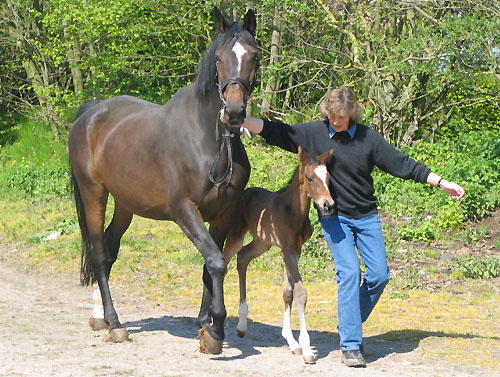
226, 139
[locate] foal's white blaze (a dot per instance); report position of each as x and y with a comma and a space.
239, 51
321, 172
98, 311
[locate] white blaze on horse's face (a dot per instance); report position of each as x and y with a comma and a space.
239, 51
321, 172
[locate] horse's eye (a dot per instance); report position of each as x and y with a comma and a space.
309, 179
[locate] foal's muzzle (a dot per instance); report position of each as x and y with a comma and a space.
326, 208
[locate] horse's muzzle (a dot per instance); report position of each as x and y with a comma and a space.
326, 208
236, 114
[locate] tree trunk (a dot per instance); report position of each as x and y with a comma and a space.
74, 57
275, 50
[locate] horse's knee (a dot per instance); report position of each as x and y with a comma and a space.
216, 265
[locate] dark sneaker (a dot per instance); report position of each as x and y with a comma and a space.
353, 359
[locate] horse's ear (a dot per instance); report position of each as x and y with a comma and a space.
219, 20
326, 157
249, 22
303, 156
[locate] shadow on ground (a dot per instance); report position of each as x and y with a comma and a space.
261, 335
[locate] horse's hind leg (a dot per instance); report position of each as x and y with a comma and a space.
112, 236
245, 256
294, 290
95, 197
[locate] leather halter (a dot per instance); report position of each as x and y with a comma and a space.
225, 138
222, 86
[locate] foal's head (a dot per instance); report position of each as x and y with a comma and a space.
237, 64
316, 178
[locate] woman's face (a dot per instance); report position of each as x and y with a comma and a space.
339, 121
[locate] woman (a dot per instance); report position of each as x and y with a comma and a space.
355, 226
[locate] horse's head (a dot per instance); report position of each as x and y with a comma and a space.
237, 65
316, 178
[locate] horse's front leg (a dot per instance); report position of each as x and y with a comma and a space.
191, 222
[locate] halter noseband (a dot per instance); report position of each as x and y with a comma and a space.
222, 86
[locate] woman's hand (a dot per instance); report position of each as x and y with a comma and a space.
252, 124
456, 191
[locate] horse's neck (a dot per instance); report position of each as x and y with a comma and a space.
296, 194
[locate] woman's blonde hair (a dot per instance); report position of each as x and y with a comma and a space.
342, 98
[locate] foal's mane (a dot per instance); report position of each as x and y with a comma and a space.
207, 70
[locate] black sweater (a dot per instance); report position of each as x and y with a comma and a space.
351, 183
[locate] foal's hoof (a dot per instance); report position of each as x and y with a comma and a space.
98, 324
309, 359
119, 335
241, 334
209, 344
297, 351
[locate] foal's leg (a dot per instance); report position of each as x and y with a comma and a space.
95, 198
245, 256
112, 236
294, 290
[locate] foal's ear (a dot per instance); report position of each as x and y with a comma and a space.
249, 22
303, 155
326, 157
219, 20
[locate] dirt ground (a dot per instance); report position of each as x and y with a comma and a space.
44, 332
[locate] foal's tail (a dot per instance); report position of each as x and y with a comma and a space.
86, 274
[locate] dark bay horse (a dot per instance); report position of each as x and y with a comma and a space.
172, 162
281, 219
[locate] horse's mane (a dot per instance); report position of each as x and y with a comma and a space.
207, 70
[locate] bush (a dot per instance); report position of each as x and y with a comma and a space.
473, 267
472, 160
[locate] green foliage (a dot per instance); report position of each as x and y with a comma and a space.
472, 160
475, 267
421, 232
36, 164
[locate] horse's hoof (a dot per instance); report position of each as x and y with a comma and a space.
241, 334
297, 351
309, 359
119, 335
98, 324
209, 344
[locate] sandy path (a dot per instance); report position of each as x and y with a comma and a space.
44, 332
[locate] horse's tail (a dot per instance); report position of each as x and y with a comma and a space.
86, 274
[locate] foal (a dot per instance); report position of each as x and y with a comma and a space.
282, 219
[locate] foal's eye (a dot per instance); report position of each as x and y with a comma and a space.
310, 179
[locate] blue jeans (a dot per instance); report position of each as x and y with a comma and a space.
355, 300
